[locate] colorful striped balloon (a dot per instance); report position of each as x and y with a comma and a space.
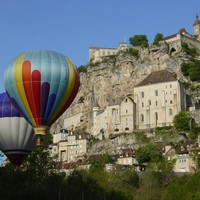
41, 84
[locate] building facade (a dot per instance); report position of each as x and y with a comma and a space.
117, 117
159, 97
97, 54
69, 146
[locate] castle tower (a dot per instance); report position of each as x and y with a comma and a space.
196, 27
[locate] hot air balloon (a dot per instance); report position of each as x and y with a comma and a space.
17, 138
41, 84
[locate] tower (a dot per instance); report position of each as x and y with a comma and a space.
196, 28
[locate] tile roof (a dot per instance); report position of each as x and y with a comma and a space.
161, 76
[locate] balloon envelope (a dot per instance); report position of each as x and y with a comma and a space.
17, 137
41, 84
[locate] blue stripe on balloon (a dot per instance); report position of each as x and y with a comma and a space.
44, 98
50, 103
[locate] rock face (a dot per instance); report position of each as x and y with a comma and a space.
116, 78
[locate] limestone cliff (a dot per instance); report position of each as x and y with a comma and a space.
115, 77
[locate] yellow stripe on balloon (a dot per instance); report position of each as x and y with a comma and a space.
20, 86
70, 85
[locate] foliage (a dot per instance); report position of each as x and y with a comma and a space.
184, 187
182, 121
194, 133
21, 185
148, 153
139, 40
191, 69
141, 137
82, 69
190, 51
121, 184
151, 186
100, 163
158, 37
133, 52
39, 161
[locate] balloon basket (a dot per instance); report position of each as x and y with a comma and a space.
40, 130
39, 141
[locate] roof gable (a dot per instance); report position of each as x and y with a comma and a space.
155, 77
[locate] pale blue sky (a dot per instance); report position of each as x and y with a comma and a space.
72, 26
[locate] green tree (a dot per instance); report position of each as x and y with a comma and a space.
185, 68
151, 186
191, 51
39, 161
139, 40
194, 71
182, 121
158, 37
148, 153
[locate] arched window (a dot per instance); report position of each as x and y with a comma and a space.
156, 92
170, 111
149, 102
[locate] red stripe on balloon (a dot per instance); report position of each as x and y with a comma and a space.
70, 99
26, 77
36, 87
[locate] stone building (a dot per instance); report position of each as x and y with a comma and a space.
117, 117
96, 53
193, 40
159, 97
185, 161
69, 146
174, 41
153, 103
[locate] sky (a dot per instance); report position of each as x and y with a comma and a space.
71, 27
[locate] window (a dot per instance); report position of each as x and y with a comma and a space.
156, 116
156, 92
170, 111
126, 100
142, 104
113, 111
171, 102
149, 102
142, 94
142, 117
156, 103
